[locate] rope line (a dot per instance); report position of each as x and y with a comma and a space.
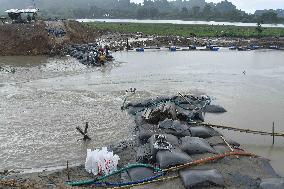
176, 168
197, 162
242, 130
209, 159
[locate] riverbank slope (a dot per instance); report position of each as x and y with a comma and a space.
42, 37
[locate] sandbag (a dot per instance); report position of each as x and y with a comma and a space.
145, 131
139, 173
171, 139
183, 114
272, 183
143, 153
214, 109
135, 110
144, 103
174, 127
199, 116
195, 145
166, 158
139, 120
201, 178
203, 132
160, 112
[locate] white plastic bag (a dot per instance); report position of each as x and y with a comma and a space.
101, 162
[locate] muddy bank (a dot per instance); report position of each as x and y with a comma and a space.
42, 38
118, 41
54, 37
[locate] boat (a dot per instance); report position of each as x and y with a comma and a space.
141, 49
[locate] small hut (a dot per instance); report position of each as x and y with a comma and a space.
16, 15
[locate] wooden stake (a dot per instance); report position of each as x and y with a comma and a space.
273, 134
127, 44
67, 169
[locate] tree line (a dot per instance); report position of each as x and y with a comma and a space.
179, 9
149, 9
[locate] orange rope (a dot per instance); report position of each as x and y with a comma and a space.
209, 159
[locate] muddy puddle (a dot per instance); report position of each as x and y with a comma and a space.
46, 98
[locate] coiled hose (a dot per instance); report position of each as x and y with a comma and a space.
95, 181
119, 184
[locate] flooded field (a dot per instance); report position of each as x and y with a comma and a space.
46, 98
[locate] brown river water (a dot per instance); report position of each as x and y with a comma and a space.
46, 98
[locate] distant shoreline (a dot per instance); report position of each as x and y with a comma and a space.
190, 30
182, 22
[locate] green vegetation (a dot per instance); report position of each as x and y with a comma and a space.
189, 30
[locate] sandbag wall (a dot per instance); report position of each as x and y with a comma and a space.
169, 134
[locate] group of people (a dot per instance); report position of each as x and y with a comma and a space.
91, 54
100, 56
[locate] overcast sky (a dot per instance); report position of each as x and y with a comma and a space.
249, 5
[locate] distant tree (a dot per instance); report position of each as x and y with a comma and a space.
184, 12
153, 12
269, 17
207, 12
142, 13
195, 11
225, 6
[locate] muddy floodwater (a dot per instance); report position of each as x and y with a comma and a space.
46, 98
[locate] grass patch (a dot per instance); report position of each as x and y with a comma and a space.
188, 30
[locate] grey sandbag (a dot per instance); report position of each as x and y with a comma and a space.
195, 145
143, 154
174, 127
135, 110
145, 131
139, 120
166, 158
214, 109
139, 173
199, 116
160, 112
144, 103
166, 124
217, 140
201, 178
183, 114
203, 132
173, 140
272, 183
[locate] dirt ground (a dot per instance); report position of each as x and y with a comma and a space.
34, 38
